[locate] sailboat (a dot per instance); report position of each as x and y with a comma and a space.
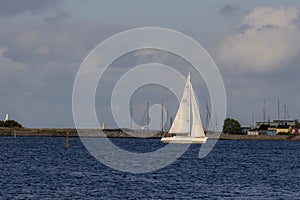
6, 118
183, 129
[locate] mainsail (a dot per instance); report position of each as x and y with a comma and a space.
182, 119
181, 123
6, 118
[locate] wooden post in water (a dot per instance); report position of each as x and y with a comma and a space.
67, 139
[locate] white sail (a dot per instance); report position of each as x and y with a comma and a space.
181, 123
182, 120
197, 128
6, 118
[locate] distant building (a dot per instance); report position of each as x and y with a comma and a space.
272, 128
244, 130
283, 129
252, 132
275, 127
276, 123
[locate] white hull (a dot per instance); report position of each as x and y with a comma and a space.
184, 140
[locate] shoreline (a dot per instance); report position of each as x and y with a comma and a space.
118, 133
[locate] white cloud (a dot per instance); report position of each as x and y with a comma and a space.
262, 16
13, 7
2, 51
266, 39
7, 64
42, 50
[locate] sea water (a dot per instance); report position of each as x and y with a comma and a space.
42, 168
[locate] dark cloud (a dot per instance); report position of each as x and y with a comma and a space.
39, 43
229, 8
13, 7
42, 60
267, 26
244, 27
296, 22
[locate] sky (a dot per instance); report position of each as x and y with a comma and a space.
255, 44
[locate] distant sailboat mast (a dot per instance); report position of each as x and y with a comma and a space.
162, 116
146, 119
130, 103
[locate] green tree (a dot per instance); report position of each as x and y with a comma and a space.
297, 123
12, 124
1, 123
231, 126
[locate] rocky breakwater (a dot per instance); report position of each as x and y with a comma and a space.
126, 133
111, 133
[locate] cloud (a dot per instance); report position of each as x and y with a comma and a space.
154, 55
42, 50
2, 51
229, 8
13, 7
267, 39
38, 64
38, 43
60, 14
8, 66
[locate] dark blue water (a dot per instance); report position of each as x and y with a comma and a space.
35, 168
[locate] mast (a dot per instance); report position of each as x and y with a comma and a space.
216, 122
162, 116
171, 122
252, 119
264, 111
208, 116
284, 112
189, 79
278, 109
167, 119
146, 120
130, 103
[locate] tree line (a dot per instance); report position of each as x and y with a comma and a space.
10, 124
231, 126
